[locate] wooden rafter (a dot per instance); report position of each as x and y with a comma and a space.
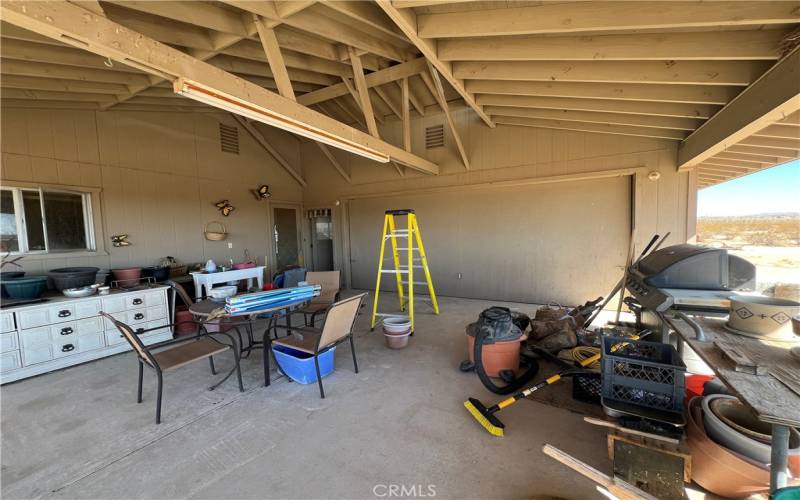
603, 16
66, 22
773, 97
262, 141
392, 73
697, 46
406, 114
437, 85
698, 94
363, 93
334, 162
274, 57
407, 22
669, 122
592, 127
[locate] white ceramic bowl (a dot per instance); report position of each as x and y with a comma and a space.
221, 293
764, 316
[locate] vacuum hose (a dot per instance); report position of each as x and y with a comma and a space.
527, 376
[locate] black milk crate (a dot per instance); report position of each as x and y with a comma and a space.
648, 374
587, 387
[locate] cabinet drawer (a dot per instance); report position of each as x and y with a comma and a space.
134, 301
136, 316
113, 305
64, 332
87, 309
10, 361
41, 316
114, 337
155, 299
91, 325
157, 312
34, 337
65, 347
6, 322
8, 342
38, 353
91, 341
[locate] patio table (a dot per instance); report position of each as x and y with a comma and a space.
208, 310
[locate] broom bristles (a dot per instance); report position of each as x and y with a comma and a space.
486, 419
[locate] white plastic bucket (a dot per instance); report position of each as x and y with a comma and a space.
396, 325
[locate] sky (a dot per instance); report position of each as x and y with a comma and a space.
772, 190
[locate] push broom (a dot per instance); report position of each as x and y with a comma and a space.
486, 416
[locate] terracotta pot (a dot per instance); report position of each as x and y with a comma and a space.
716, 468
497, 357
394, 341
127, 277
183, 324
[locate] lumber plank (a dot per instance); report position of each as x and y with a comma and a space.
440, 98
603, 16
269, 42
363, 92
668, 122
602, 128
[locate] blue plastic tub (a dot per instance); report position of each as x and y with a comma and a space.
299, 365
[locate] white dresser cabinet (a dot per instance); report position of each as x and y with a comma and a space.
62, 332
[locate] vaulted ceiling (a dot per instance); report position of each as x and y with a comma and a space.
649, 69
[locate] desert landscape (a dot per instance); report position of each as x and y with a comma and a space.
770, 241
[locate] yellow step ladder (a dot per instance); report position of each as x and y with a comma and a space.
412, 235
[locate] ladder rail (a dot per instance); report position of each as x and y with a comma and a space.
380, 273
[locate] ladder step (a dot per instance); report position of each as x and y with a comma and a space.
406, 248
416, 282
415, 267
394, 271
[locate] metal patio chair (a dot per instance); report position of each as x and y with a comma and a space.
186, 350
330, 283
336, 328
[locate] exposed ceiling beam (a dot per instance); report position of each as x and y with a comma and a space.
744, 159
388, 100
405, 97
407, 22
201, 14
440, 98
779, 131
574, 17
698, 46
700, 94
334, 162
363, 93
381, 77
760, 152
701, 111
407, 4
668, 72
63, 21
258, 68
412, 97
774, 96
669, 122
274, 57
56, 96
769, 142
68, 56
262, 141
591, 127
57, 85
43, 70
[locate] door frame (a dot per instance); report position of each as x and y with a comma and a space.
336, 234
272, 265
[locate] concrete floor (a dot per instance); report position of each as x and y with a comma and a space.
78, 433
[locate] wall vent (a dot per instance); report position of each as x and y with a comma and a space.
229, 139
434, 137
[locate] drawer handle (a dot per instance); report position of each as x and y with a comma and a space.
138, 316
139, 331
136, 302
67, 348
66, 331
64, 313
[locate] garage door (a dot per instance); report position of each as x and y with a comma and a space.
563, 242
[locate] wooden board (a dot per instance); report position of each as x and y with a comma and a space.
771, 400
660, 473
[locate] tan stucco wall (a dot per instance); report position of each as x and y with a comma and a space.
159, 175
503, 159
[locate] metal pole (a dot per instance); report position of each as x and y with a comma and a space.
779, 457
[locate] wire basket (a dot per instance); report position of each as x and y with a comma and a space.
647, 374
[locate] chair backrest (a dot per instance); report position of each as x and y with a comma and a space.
330, 283
182, 293
339, 320
138, 346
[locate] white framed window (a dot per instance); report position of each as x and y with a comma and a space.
43, 220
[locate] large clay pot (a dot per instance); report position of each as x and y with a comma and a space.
716, 468
127, 277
